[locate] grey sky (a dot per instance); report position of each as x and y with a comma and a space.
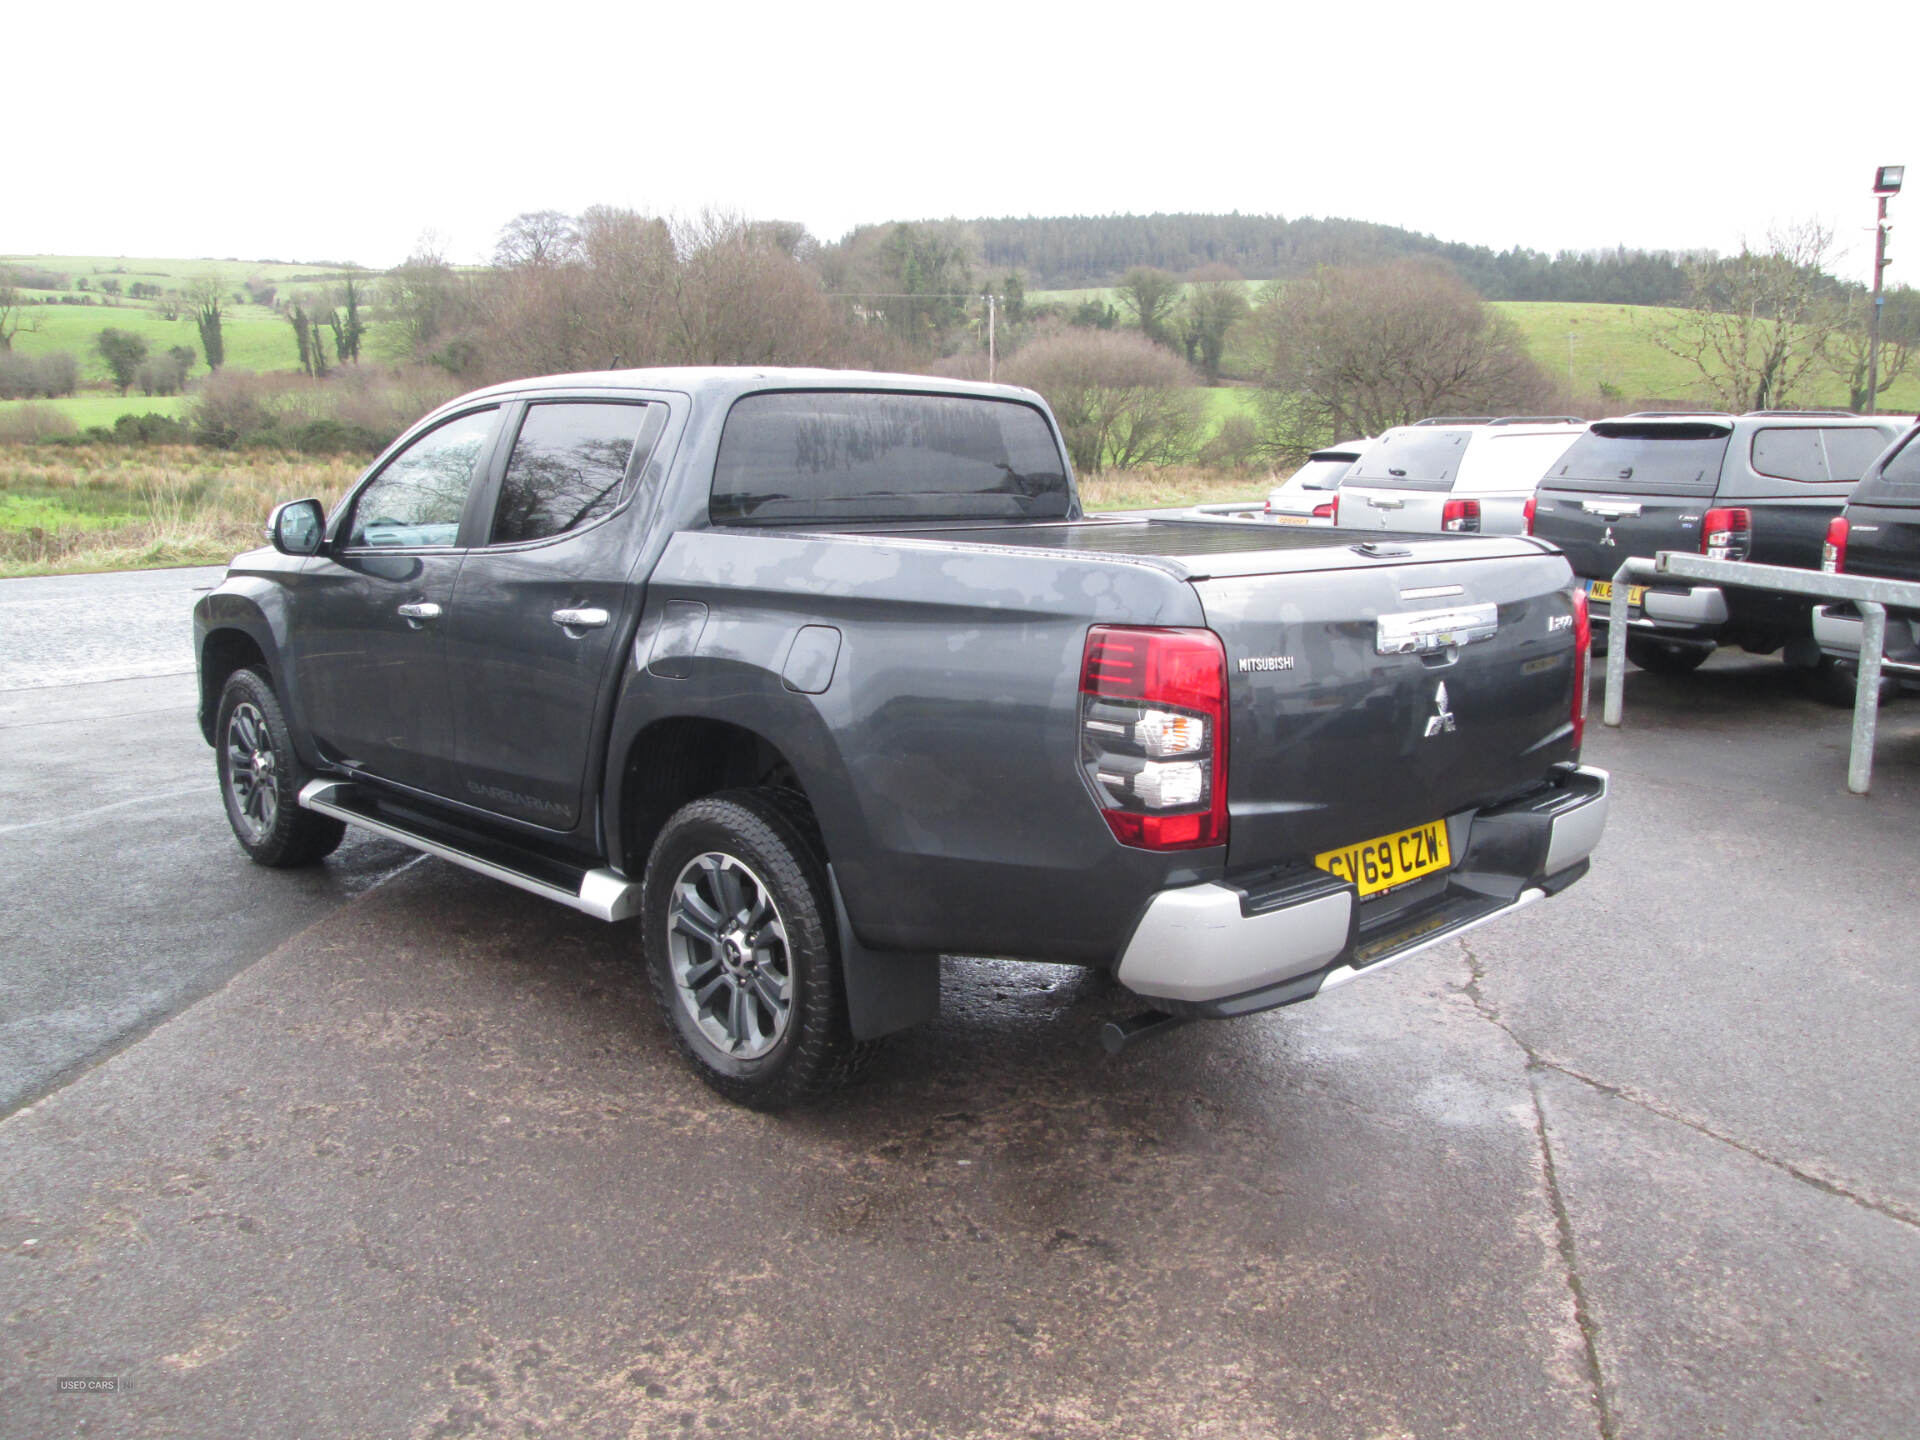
345, 131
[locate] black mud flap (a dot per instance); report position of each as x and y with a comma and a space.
887, 990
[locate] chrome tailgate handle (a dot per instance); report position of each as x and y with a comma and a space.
1610, 509
1416, 632
419, 612
570, 620
1381, 504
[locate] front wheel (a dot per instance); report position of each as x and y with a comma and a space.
1666, 657
740, 947
260, 778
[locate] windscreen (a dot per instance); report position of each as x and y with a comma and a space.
790, 457
1412, 459
1651, 459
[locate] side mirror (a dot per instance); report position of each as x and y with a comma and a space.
297, 527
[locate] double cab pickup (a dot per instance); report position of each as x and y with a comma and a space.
816, 676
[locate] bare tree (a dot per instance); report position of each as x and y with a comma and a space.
1757, 325
1899, 337
1151, 295
537, 237
1121, 400
13, 308
1216, 301
1350, 351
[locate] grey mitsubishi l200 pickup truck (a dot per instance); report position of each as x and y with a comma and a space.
820, 675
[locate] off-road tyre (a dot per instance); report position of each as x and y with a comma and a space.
261, 776
1666, 657
767, 848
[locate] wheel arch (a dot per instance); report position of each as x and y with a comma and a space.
682, 758
222, 651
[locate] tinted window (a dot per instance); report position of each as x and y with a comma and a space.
417, 498
822, 455
1414, 459
1903, 469
1789, 454
1321, 474
1851, 451
567, 468
1657, 459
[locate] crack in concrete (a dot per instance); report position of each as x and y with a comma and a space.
1887, 1209
1583, 1316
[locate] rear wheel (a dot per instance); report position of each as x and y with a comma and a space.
260, 778
1666, 657
1836, 682
741, 949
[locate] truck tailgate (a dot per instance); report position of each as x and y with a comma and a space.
1333, 742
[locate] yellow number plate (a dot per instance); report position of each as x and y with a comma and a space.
1377, 865
1602, 591
1285, 519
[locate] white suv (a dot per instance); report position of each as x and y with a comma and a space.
1455, 474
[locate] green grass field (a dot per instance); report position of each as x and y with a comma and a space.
93, 409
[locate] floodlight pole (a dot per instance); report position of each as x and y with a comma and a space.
1873, 321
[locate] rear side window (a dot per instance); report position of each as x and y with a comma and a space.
1790, 454
1901, 473
1850, 452
797, 456
569, 464
1651, 459
1413, 459
1510, 462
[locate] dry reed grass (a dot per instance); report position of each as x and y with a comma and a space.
189, 506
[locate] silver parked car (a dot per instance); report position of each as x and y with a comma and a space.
1306, 497
1455, 474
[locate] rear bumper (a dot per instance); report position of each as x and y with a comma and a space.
1689, 611
1223, 949
1837, 628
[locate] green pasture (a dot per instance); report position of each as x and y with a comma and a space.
256, 337
95, 409
175, 274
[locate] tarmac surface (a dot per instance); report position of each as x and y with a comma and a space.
415, 1158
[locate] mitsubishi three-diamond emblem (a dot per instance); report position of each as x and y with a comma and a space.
1443, 718
1607, 538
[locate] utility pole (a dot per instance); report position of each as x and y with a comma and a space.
1886, 182
990, 299
1571, 337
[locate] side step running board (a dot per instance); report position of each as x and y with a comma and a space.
601, 893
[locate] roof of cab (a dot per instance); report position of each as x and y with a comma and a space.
727, 382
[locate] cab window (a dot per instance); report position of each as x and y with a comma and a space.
417, 498
569, 466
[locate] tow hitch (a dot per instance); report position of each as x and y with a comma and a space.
1116, 1035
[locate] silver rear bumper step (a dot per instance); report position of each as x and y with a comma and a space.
601, 893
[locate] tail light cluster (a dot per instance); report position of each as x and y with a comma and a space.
1582, 658
1833, 555
1153, 734
1328, 510
1526, 513
1336, 509
1460, 515
1726, 533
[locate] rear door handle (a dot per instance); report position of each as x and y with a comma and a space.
1385, 504
419, 612
571, 620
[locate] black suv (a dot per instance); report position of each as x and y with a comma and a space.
1878, 534
1760, 486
